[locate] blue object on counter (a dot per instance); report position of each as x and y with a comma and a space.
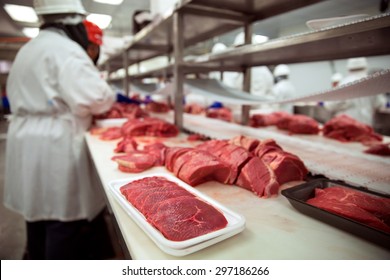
124, 99
216, 105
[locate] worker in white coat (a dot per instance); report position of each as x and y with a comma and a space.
54, 89
361, 109
283, 88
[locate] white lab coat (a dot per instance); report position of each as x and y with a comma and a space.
283, 90
361, 109
53, 88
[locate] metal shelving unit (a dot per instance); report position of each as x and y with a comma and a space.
171, 34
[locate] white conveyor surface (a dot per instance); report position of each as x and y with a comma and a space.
274, 229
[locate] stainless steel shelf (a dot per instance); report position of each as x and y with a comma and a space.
202, 20
363, 38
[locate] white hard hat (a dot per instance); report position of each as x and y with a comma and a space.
281, 70
336, 77
218, 47
357, 63
48, 7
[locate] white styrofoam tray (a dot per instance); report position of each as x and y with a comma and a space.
110, 122
236, 222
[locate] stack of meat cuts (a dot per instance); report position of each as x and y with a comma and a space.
194, 109
295, 124
174, 211
258, 166
346, 129
365, 208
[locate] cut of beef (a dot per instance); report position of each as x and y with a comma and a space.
135, 162
171, 153
197, 166
364, 208
183, 218
223, 114
126, 145
379, 149
301, 124
158, 150
174, 211
262, 120
149, 127
247, 143
266, 146
287, 167
258, 177
346, 129
111, 133
379, 206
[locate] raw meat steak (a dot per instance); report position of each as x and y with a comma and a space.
258, 177
135, 162
347, 206
184, 218
196, 166
379, 149
301, 124
220, 113
262, 120
174, 211
247, 143
149, 127
346, 129
111, 133
126, 145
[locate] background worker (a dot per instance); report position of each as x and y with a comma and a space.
283, 88
54, 89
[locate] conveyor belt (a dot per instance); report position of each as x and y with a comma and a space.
338, 161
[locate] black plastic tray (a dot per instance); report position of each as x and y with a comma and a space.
298, 196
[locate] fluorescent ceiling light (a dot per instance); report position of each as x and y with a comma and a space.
110, 2
103, 21
30, 32
21, 13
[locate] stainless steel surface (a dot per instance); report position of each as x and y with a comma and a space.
126, 86
178, 30
382, 122
362, 38
246, 87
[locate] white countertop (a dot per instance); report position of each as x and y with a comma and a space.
274, 229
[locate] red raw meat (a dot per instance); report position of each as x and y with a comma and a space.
379, 149
126, 145
149, 127
194, 109
258, 177
111, 133
355, 205
157, 107
184, 218
224, 114
261, 120
196, 166
135, 162
171, 154
174, 211
158, 150
287, 167
266, 146
301, 124
247, 143
346, 129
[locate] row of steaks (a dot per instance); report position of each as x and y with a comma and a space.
175, 212
258, 166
